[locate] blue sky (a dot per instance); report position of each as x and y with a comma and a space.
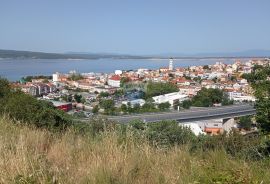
135, 26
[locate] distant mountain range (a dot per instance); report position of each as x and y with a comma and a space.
14, 54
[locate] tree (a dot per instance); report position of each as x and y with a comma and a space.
261, 86
5, 88
78, 98
103, 94
136, 108
208, 97
95, 109
168, 133
176, 105
108, 106
123, 81
186, 104
37, 112
75, 77
124, 108
245, 122
206, 67
164, 106
155, 89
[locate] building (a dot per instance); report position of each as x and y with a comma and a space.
114, 81
65, 106
141, 102
171, 64
170, 97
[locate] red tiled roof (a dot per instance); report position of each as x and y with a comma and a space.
115, 77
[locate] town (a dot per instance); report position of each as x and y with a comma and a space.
144, 90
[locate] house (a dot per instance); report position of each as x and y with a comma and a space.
114, 81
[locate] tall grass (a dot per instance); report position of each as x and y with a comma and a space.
29, 155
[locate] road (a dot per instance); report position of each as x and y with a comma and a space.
191, 115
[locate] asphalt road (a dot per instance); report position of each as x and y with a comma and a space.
190, 115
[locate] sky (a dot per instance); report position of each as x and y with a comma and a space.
135, 26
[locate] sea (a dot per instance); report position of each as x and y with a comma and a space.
15, 69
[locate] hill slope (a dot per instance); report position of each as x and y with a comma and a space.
28, 155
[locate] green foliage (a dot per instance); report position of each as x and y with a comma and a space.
26, 109
103, 94
30, 78
4, 88
208, 97
164, 106
245, 122
95, 109
186, 104
168, 133
261, 85
78, 98
75, 77
155, 89
108, 106
124, 108
123, 81
67, 98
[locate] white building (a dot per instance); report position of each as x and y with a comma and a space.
55, 77
141, 102
171, 64
114, 81
170, 97
118, 72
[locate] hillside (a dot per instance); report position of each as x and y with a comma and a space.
14, 54
29, 155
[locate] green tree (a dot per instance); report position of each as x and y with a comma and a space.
124, 108
208, 97
164, 106
154, 89
168, 133
186, 104
95, 109
78, 98
123, 81
245, 122
261, 86
108, 106
103, 94
5, 88
136, 108
75, 77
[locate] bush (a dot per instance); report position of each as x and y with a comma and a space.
26, 109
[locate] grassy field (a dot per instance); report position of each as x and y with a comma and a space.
29, 155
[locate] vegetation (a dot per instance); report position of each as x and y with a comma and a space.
123, 81
155, 89
75, 77
259, 79
95, 109
209, 97
30, 78
120, 155
245, 122
104, 94
28, 109
164, 106
108, 106
186, 104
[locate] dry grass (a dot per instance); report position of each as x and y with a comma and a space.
38, 156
